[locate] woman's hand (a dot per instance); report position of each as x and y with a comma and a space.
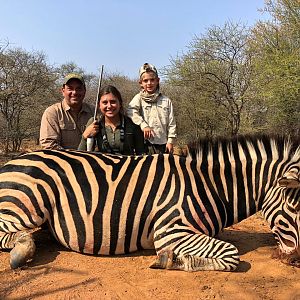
91, 130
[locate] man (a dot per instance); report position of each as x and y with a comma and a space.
63, 123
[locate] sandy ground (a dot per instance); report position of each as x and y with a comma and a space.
57, 273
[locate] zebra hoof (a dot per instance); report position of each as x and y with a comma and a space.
23, 251
164, 260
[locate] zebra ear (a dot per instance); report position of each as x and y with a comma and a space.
289, 179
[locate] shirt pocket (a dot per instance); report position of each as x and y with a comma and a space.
163, 112
146, 111
67, 126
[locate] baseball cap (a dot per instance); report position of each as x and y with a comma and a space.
147, 68
73, 76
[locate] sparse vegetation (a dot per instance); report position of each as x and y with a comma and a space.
233, 80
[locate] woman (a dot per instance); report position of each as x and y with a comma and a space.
114, 132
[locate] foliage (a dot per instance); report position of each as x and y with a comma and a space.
23, 78
236, 79
214, 77
275, 45
126, 86
232, 79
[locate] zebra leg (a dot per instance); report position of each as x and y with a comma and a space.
22, 245
194, 252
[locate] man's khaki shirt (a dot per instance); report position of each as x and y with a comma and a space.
59, 129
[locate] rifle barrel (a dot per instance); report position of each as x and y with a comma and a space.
98, 92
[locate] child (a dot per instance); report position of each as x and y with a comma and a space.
153, 112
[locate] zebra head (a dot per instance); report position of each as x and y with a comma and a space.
285, 216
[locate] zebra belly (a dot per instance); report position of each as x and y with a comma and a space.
106, 239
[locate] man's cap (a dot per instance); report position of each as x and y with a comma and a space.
73, 76
147, 68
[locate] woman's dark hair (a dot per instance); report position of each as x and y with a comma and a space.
110, 89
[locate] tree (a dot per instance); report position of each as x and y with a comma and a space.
275, 45
25, 80
217, 72
127, 87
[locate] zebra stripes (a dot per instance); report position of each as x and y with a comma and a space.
106, 204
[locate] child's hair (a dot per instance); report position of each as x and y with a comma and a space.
110, 89
147, 68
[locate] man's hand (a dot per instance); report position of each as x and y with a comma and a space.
91, 130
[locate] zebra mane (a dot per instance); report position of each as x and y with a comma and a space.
279, 145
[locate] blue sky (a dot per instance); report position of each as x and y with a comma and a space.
120, 34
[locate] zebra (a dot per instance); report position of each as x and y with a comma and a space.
104, 204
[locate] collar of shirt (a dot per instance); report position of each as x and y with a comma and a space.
84, 107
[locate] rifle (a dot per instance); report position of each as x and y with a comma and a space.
90, 140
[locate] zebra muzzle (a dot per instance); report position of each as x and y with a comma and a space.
23, 250
292, 259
